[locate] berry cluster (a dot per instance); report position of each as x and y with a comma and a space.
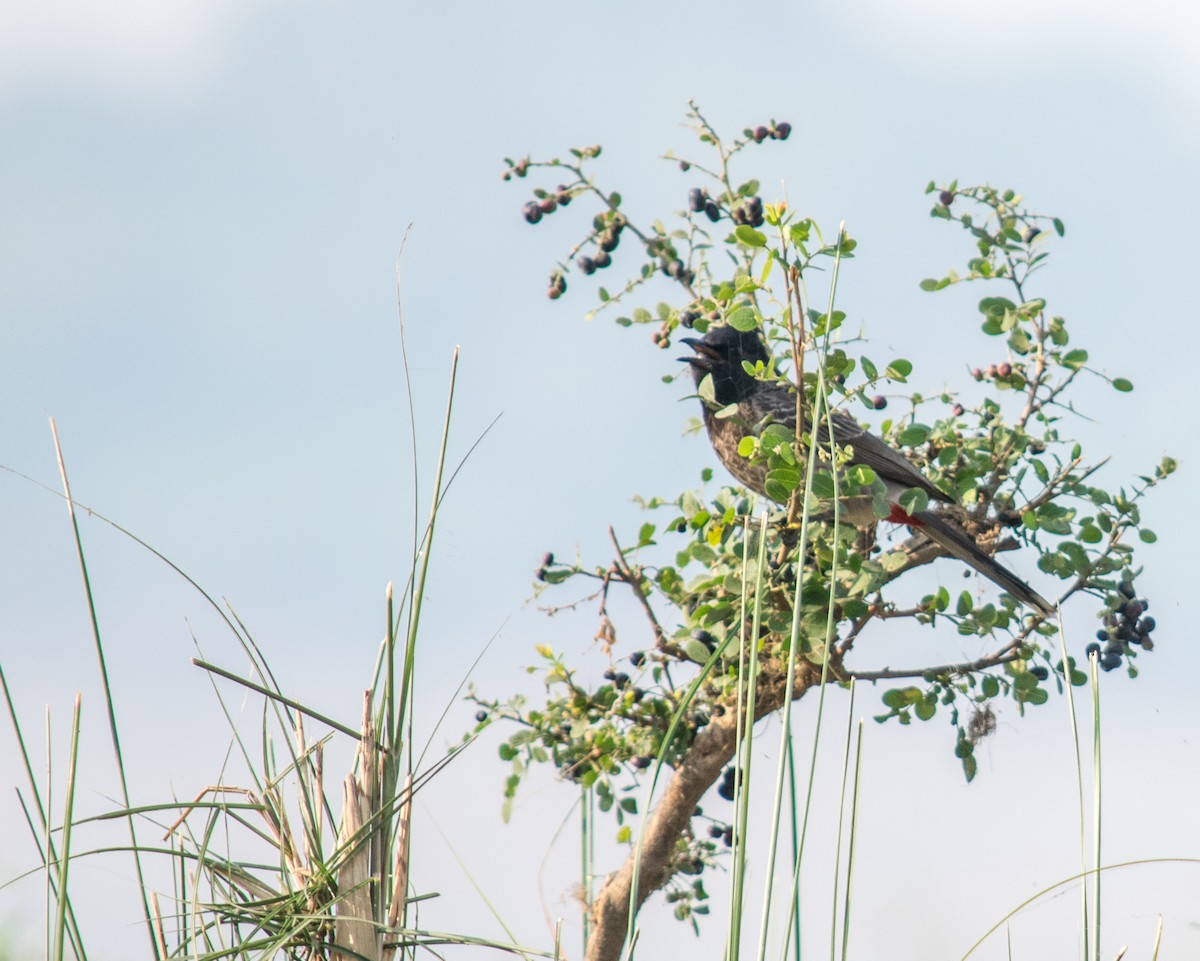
723, 832
700, 202
546, 203
1001, 370
750, 213
1124, 624
777, 131
729, 782
608, 236
547, 563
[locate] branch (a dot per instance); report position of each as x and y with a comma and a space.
697, 771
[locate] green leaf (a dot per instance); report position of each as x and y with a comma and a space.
743, 319
913, 501
776, 438
1058, 227
991, 686
1122, 385
1147, 536
929, 284
750, 237
822, 484
646, 535
1075, 359
780, 483
965, 604
869, 369
914, 434
899, 369
747, 445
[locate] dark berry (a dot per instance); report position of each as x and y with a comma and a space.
637, 658
725, 790
681, 527
688, 317
1110, 662
548, 559
977, 374
610, 674
1039, 672
564, 196
1004, 369
481, 716
1145, 603
1147, 644
716, 830
586, 264
946, 198
957, 410
727, 837
642, 762
602, 259
675, 269
621, 681
705, 638
1125, 631
761, 134
991, 371
1092, 648
548, 204
712, 211
1102, 635
1132, 610
533, 213
1126, 588
558, 286
1031, 233
879, 402
608, 241
1146, 625
684, 166
696, 200
783, 130
739, 215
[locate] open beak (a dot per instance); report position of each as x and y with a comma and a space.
705, 357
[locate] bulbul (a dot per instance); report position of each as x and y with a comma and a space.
720, 354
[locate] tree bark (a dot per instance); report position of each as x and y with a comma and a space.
699, 769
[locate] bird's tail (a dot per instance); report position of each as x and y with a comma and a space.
958, 544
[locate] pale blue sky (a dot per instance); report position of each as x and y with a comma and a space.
202, 208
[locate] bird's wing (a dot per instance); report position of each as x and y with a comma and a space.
779, 404
877, 454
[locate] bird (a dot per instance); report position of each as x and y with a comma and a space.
719, 355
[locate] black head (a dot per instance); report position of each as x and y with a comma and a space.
720, 353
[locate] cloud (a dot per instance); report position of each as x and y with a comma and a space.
141, 48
